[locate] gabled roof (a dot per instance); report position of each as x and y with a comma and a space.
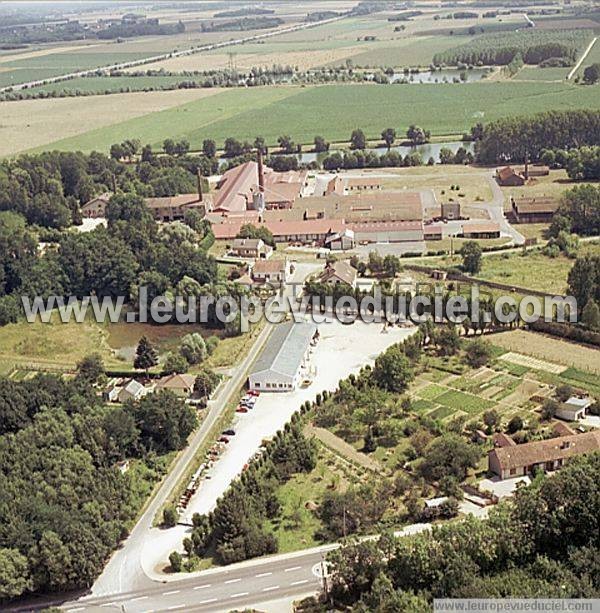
538, 452
340, 270
271, 266
536, 204
176, 382
133, 387
285, 348
174, 201
481, 227
507, 172
247, 243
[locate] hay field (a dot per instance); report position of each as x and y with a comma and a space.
332, 111
549, 349
37, 123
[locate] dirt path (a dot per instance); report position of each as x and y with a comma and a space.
343, 448
582, 59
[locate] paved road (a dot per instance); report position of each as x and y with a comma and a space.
582, 58
166, 56
124, 571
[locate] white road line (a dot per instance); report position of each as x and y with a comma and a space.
108, 604
263, 575
177, 606
207, 601
171, 593
139, 598
75, 610
232, 580
239, 595
299, 582
268, 589
201, 587
289, 570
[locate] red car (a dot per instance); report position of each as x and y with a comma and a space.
254, 393
241, 410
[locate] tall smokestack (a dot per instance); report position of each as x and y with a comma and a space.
199, 182
526, 173
261, 173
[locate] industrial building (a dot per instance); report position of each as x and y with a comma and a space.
284, 361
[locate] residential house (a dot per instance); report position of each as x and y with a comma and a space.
96, 207
251, 248
181, 385
509, 177
338, 272
131, 390
270, 272
546, 455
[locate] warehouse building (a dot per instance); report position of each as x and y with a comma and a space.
284, 360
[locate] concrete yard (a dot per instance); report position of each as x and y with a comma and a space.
341, 350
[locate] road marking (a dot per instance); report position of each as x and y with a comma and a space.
299, 582
75, 610
201, 587
171, 593
139, 598
108, 604
289, 570
177, 606
207, 601
263, 575
233, 581
268, 589
239, 595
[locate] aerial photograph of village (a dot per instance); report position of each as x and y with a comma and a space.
299, 306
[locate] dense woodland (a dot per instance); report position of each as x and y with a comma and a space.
544, 544
500, 48
40, 196
515, 138
64, 505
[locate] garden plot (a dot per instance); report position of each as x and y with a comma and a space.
533, 363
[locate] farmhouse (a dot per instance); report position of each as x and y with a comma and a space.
272, 272
251, 248
538, 209
180, 385
547, 455
131, 390
508, 177
96, 207
284, 359
172, 208
574, 408
338, 272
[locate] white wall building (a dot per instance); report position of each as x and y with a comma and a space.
284, 358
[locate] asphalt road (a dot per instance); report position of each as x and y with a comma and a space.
124, 571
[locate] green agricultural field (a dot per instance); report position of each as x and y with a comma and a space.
335, 110
416, 51
31, 69
459, 401
100, 85
534, 73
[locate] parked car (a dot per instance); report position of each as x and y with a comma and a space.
223, 439
229, 432
241, 409
255, 393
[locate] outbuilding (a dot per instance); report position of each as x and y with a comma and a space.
284, 359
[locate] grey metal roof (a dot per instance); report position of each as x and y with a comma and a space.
285, 348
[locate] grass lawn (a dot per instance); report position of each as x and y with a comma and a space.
445, 109
534, 73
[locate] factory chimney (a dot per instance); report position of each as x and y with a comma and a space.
261, 172
199, 182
